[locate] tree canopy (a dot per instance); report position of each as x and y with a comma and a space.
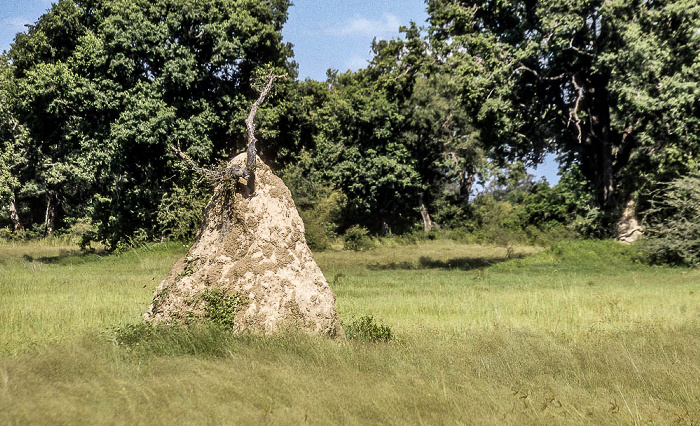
95, 93
611, 86
106, 87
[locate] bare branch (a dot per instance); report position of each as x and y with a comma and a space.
222, 173
214, 175
524, 68
576, 49
250, 121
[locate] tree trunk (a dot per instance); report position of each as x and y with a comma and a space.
596, 144
14, 216
466, 182
599, 113
427, 222
50, 218
386, 229
628, 227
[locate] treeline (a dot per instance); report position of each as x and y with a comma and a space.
97, 91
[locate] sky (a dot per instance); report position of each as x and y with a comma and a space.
326, 34
338, 34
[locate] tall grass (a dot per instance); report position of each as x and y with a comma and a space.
50, 291
575, 334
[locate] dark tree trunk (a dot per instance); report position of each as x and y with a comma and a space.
386, 229
50, 218
596, 144
14, 216
600, 126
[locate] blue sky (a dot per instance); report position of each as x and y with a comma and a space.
334, 34
326, 34
338, 34
14, 14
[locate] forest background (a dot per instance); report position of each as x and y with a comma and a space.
94, 96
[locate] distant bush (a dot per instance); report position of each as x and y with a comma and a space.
357, 238
320, 205
528, 212
180, 212
673, 223
79, 228
133, 334
320, 218
364, 328
408, 238
7, 234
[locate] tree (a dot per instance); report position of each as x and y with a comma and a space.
673, 228
11, 147
358, 148
436, 130
390, 138
611, 86
108, 86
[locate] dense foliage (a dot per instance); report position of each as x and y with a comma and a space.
390, 138
104, 88
612, 86
435, 132
673, 226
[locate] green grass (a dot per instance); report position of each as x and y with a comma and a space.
575, 334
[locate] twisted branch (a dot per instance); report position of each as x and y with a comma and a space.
212, 175
232, 171
250, 121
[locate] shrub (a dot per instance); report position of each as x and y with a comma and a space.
593, 252
316, 237
133, 334
7, 234
79, 229
357, 239
673, 223
320, 205
364, 328
221, 308
320, 218
180, 212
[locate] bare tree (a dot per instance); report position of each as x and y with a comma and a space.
231, 171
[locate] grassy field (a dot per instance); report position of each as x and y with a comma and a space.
577, 334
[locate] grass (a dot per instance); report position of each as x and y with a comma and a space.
577, 334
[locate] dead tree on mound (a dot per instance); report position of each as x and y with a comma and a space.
249, 268
232, 171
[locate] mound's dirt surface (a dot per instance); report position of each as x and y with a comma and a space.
251, 246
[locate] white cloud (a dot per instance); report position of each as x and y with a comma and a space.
363, 27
